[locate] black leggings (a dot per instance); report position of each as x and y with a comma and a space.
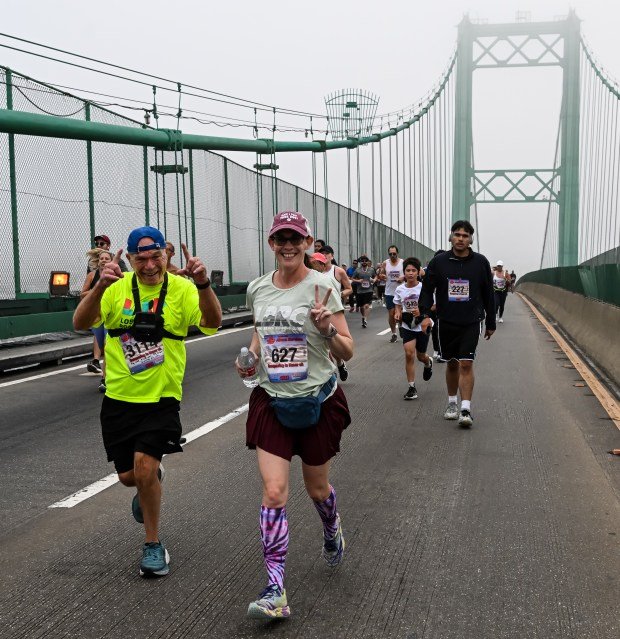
500, 302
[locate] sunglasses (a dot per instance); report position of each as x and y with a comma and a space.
392, 254
280, 240
100, 244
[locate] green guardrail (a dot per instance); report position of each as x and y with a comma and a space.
20, 318
600, 282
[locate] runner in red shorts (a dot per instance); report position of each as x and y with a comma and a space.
298, 324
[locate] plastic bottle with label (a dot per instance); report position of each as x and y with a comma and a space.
247, 361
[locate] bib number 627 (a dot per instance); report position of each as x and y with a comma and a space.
283, 354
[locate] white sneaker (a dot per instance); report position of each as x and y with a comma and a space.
435, 355
501, 320
452, 411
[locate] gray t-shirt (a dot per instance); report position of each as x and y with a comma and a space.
365, 286
294, 356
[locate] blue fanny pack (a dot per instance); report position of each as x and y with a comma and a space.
302, 412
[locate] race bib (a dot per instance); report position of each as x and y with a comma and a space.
394, 276
141, 355
458, 290
500, 283
286, 357
365, 283
410, 304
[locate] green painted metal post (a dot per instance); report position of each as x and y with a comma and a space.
147, 209
568, 226
228, 234
462, 172
89, 169
13, 185
192, 200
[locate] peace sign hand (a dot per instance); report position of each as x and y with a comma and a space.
194, 267
320, 314
111, 272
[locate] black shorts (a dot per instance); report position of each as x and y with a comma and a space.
315, 445
363, 298
421, 339
458, 342
151, 428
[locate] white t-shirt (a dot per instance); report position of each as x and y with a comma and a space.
393, 273
408, 299
332, 273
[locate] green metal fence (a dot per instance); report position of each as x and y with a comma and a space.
599, 282
56, 194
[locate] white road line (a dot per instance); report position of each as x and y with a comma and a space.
110, 480
75, 368
385, 332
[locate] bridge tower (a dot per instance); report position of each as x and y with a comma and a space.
522, 44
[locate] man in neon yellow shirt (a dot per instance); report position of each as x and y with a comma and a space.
147, 314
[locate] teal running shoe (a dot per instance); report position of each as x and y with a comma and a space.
271, 604
155, 560
136, 509
333, 549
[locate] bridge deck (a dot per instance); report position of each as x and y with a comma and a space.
508, 530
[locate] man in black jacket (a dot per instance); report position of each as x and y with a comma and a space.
463, 286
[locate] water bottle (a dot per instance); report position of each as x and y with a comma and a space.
247, 361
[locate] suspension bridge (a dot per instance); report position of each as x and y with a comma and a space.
510, 530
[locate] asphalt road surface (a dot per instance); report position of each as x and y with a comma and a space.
508, 530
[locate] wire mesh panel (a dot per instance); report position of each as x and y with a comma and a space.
286, 196
268, 206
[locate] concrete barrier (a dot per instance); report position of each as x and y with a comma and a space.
594, 326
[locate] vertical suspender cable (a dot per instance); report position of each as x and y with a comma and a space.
397, 163
391, 178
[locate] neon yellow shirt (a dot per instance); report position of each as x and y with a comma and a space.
181, 311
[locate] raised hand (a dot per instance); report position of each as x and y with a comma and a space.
320, 314
194, 267
111, 272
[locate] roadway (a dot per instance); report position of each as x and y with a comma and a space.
508, 530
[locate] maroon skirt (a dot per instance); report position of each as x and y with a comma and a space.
315, 445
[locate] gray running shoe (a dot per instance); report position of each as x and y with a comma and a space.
136, 509
155, 560
452, 411
465, 419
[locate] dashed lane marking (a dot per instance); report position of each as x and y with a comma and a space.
602, 394
110, 480
228, 331
385, 332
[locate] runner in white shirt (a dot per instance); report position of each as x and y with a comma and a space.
501, 286
391, 272
415, 342
338, 273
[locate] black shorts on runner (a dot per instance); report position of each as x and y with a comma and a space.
363, 298
458, 342
316, 445
421, 339
151, 428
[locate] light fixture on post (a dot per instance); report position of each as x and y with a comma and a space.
59, 284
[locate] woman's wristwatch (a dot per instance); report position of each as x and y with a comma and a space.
333, 331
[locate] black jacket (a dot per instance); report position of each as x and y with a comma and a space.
472, 298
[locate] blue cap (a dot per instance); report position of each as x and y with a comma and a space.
140, 233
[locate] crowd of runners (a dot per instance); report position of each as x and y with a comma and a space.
300, 343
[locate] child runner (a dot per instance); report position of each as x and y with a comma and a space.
415, 341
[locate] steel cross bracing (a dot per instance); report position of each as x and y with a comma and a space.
514, 185
521, 45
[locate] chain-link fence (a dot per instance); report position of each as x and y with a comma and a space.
57, 194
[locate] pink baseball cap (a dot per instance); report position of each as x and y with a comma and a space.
319, 257
292, 221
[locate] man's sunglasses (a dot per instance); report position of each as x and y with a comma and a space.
280, 240
392, 254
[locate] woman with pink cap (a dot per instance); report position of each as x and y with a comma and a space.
298, 407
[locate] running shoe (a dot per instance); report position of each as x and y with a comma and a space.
436, 355
271, 604
333, 549
343, 371
501, 320
465, 419
102, 386
452, 411
364, 323
136, 509
427, 371
411, 393
94, 366
155, 560
394, 338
